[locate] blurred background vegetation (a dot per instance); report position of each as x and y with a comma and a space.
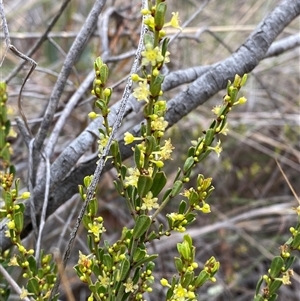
249, 185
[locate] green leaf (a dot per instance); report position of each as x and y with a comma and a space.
184, 250
289, 261
150, 145
202, 278
258, 285
123, 171
146, 260
142, 224
93, 207
155, 87
148, 39
124, 269
187, 279
98, 63
159, 183
164, 46
177, 186
159, 17
182, 207
19, 219
209, 137
189, 162
144, 185
86, 221
93, 288
32, 264
115, 150
178, 264
8, 199
137, 156
296, 241
103, 73
107, 261
273, 297
188, 239
276, 266
33, 286
274, 286
139, 254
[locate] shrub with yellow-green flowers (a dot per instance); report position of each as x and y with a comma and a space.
123, 270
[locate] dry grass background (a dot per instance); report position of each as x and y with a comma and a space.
249, 185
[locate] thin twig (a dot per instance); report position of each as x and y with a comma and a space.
39, 42
44, 209
288, 182
31, 187
11, 281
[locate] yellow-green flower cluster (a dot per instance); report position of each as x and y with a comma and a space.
184, 288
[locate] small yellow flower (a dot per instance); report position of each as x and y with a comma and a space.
12, 133
167, 57
13, 261
128, 138
174, 21
176, 216
149, 202
166, 150
102, 142
149, 21
104, 280
96, 229
91, 297
93, 115
24, 293
142, 91
242, 100
286, 277
224, 130
159, 124
129, 286
164, 282
84, 261
11, 225
25, 195
180, 293
216, 109
135, 77
297, 209
151, 55
217, 148
132, 178
205, 208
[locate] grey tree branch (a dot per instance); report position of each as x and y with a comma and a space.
70, 60
207, 82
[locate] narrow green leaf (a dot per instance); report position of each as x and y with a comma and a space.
19, 219
142, 224
124, 268
276, 266
33, 286
159, 183
144, 185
